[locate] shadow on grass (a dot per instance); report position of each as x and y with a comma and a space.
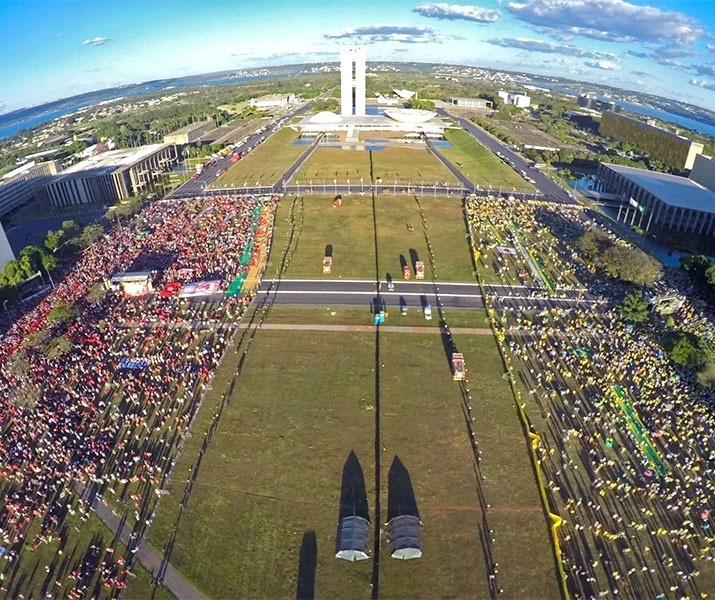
307, 565
353, 495
400, 494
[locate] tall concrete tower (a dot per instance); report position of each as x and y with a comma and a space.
6, 254
352, 82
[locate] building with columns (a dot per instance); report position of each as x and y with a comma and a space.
662, 203
112, 175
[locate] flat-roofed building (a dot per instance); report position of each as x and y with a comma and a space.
189, 133
515, 98
668, 203
25, 183
111, 176
704, 171
471, 102
273, 101
670, 148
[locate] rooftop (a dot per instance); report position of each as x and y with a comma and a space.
672, 190
110, 161
191, 127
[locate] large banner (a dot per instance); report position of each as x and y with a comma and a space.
134, 364
200, 288
507, 250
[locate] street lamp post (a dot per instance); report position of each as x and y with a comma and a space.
4, 305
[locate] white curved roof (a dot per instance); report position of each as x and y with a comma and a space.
325, 116
410, 115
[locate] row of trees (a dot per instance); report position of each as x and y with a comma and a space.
618, 261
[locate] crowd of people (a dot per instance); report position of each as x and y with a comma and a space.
94, 429
627, 445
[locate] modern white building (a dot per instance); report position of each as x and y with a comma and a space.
6, 253
471, 102
520, 100
352, 117
704, 171
273, 101
112, 175
352, 82
21, 185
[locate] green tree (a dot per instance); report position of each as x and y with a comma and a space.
70, 227
62, 312
54, 239
684, 348
91, 234
634, 308
49, 262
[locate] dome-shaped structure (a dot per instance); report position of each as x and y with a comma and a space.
325, 117
410, 115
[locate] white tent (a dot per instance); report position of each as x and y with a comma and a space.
351, 543
405, 535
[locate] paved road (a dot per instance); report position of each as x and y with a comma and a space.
197, 187
412, 294
548, 188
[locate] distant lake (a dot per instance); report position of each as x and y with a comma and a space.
42, 117
656, 113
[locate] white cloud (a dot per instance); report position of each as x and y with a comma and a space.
708, 85
613, 20
710, 47
550, 48
605, 65
98, 41
387, 33
453, 12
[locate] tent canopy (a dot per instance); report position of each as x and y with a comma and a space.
405, 534
351, 542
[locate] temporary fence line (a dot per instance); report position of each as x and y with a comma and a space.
533, 439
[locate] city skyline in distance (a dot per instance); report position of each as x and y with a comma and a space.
58, 50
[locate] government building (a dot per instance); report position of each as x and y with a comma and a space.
111, 176
669, 206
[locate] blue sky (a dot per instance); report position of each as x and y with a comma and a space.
59, 48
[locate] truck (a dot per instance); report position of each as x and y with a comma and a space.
199, 169
419, 270
458, 370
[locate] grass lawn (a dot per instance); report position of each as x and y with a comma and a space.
349, 231
271, 478
423, 424
273, 471
401, 164
479, 164
350, 315
266, 163
38, 569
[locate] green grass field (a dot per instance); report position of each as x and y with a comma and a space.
266, 163
273, 472
479, 164
39, 570
350, 315
349, 230
404, 165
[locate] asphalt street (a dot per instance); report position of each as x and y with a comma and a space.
548, 188
412, 294
197, 187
